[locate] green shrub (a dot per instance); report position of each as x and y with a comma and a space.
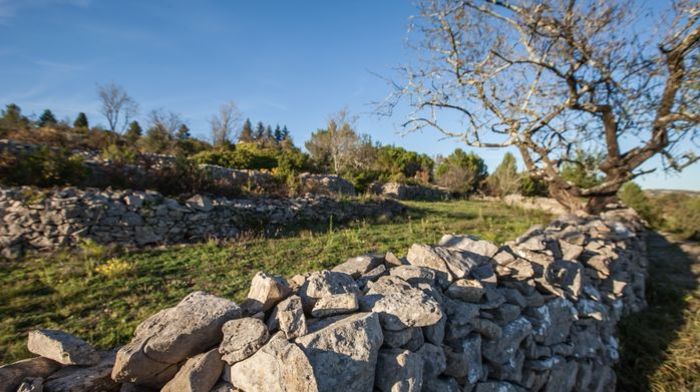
43, 167
532, 187
461, 172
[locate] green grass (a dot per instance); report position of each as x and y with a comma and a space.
104, 304
660, 345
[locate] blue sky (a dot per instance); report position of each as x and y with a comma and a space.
292, 63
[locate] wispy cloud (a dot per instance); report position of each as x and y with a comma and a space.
57, 66
11, 9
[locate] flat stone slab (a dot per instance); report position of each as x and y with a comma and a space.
62, 347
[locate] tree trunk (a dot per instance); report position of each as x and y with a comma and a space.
566, 198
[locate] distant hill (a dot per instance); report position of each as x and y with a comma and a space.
661, 192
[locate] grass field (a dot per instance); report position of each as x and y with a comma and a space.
102, 297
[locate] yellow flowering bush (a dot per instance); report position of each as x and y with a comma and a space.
114, 267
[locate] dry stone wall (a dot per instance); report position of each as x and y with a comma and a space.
400, 191
31, 219
537, 314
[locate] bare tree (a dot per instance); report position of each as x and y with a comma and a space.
339, 146
164, 121
117, 106
548, 77
224, 123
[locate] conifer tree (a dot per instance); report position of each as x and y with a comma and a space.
246, 135
278, 134
259, 131
134, 132
183, 132
285, 133
81, 121
46, 119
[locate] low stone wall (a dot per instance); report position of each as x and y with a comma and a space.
536, 203
31, 219
538, 314
399, 191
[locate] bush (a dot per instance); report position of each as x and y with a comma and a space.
43, 167
461, 172
532, 187
633, 196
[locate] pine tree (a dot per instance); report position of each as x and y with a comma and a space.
259, 131
46, 119
246, 135
81, 122
278, 134
268, 134
285, 133
183, 132
134, 132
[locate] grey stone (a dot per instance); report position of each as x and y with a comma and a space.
470, 244
497, 386
266, 291
435, 334
504, 349
172, 335
84, 378
358, 266
396, 339
334, 305
434, 360
62, 347
441, 384
242, 338
279, 366
324, 284
414, 274
199, 374
12, 375
338, 365
469, 290
290, 315
400, 305
399, 371
417, 340
487, 328
552, 321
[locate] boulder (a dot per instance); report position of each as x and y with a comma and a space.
324, 284
81, 378
12, 375
290, 316
334, 305
400, 305
279, 366
343, 351
242, 338
266, 291
172, 335
199, 374
399, 371
62, 347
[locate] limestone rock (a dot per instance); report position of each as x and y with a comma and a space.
468, 290
79, 378
441, 384
434, 361
343, 353
172, 335
242, 338
62, 347
504, 349
399, 371
358, 266
552, 321
396, 339
324, 284
400, 305
470, 244
414, 274
12, 375
435, 333
199, 374
279, 366
334, 305
266, 291
290, 315
447, 261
